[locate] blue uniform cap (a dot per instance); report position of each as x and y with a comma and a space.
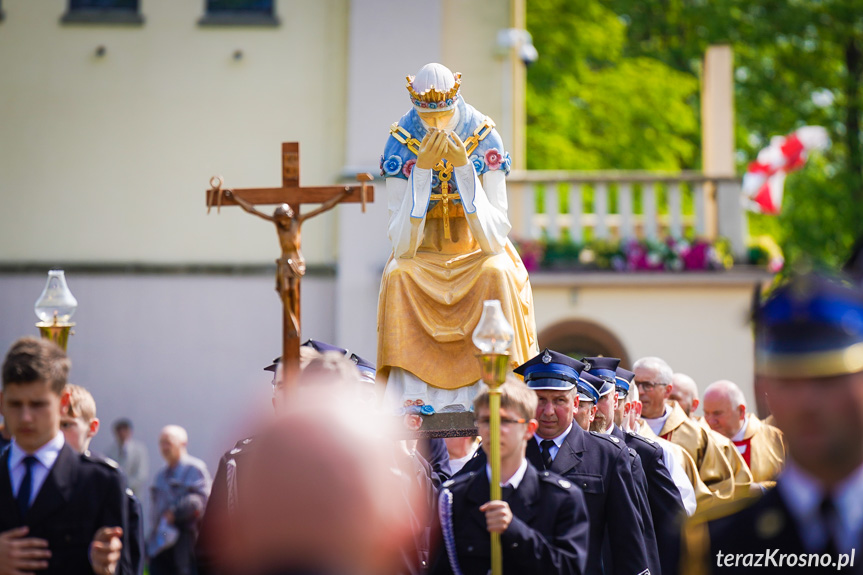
601, 387
810, 326
623, 381
324, 347
550, 370
587, 386
318, 346
367, 369
604, 368
273, 366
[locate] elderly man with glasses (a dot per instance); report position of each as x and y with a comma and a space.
666, 419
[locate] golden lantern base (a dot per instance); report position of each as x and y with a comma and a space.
57, 332
493, 368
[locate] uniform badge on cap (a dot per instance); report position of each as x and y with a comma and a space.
587, 366
546, 357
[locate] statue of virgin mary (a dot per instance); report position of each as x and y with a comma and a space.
445, 169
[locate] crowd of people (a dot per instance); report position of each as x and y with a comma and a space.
605, 469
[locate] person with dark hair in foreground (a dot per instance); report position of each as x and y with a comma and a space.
61, 512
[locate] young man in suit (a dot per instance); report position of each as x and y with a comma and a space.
542, 518
60, 511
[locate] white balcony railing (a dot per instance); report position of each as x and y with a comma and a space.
621, 205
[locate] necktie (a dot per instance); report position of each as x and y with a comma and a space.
506, 492
546, 444
26, 489
827, 511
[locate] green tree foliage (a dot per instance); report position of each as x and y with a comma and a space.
797, 62
591, 107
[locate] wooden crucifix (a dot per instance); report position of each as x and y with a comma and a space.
288, 221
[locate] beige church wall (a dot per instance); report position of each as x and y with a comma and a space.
172, 349
107, 159
698, 325
469, 45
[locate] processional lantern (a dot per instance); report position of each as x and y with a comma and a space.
493, 336
55, 308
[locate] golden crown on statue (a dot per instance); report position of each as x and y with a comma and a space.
434, 99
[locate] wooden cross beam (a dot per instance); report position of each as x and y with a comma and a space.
291, 192
288, 222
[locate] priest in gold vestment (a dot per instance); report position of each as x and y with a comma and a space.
761, 446
668, 420
445, 170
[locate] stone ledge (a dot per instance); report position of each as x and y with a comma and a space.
136, 268
112, 17
735, 277
239, 19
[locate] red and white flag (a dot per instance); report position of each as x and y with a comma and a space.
764, 181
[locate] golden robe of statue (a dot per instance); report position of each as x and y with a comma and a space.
430, 304
445, 170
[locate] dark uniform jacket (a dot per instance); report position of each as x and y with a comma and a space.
435, 453
217, 538
136, 532
548, 533
646, 523
762, 526
79, 496
663, 498
600, 465
135, 516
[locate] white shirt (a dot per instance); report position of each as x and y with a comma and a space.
656, 424
516, 478
740, 434
558, 441
457, 463
802, 494
678, 476
45, 456
681, 481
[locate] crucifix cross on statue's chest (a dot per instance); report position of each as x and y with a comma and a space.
288, 221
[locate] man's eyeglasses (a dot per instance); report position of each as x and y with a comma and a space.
503, 421
648, 385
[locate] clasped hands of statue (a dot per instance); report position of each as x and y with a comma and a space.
441, 144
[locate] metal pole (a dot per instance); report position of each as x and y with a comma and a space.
494, 461
493, 367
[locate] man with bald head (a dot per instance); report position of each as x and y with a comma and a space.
180, 491
685, 392
666, 418
761, 446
